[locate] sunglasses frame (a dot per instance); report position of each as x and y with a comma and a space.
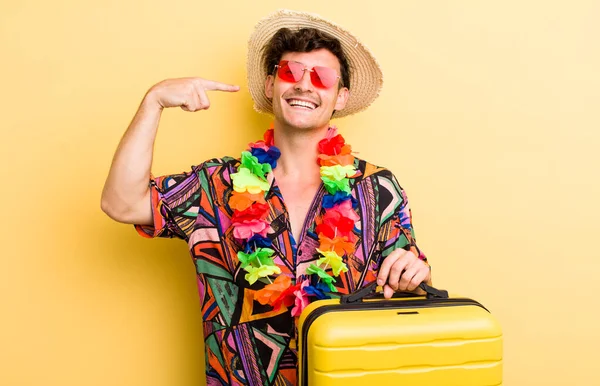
304, 69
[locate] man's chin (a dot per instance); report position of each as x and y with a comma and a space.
303, 122
301, 125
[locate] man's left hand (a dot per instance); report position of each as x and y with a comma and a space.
401, 270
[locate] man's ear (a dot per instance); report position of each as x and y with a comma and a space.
342, 98
269, 85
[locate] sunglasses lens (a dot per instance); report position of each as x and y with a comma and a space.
321, 77
290, 71
324, 77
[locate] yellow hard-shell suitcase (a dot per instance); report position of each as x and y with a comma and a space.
433, 340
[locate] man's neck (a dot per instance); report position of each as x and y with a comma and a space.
299, 150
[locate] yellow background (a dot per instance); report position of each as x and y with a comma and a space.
488, 117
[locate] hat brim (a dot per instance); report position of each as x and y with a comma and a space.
366, 78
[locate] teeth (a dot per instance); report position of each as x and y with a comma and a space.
309, 105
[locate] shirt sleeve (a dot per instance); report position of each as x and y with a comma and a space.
175, 202
396, 228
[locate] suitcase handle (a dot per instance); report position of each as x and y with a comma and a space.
359, 295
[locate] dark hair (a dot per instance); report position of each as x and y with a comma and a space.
304, 40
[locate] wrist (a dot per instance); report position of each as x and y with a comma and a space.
152, 101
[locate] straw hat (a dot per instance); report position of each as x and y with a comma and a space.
366, 78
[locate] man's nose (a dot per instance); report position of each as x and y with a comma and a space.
305, 83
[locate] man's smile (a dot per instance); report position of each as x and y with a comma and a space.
301, 103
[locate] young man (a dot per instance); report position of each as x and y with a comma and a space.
295, 218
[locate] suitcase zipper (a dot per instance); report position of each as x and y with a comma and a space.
438, 302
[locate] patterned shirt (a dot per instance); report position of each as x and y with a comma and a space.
247, 343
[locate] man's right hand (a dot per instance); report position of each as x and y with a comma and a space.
187, 93
126, 195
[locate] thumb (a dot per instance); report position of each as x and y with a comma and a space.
388, 291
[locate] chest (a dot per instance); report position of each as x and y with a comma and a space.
298, 198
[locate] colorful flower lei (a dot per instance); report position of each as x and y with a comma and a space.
335, 228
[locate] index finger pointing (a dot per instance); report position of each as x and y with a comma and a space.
218, 86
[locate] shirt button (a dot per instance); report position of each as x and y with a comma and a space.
300, 252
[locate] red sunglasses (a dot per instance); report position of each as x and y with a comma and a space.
321, 77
